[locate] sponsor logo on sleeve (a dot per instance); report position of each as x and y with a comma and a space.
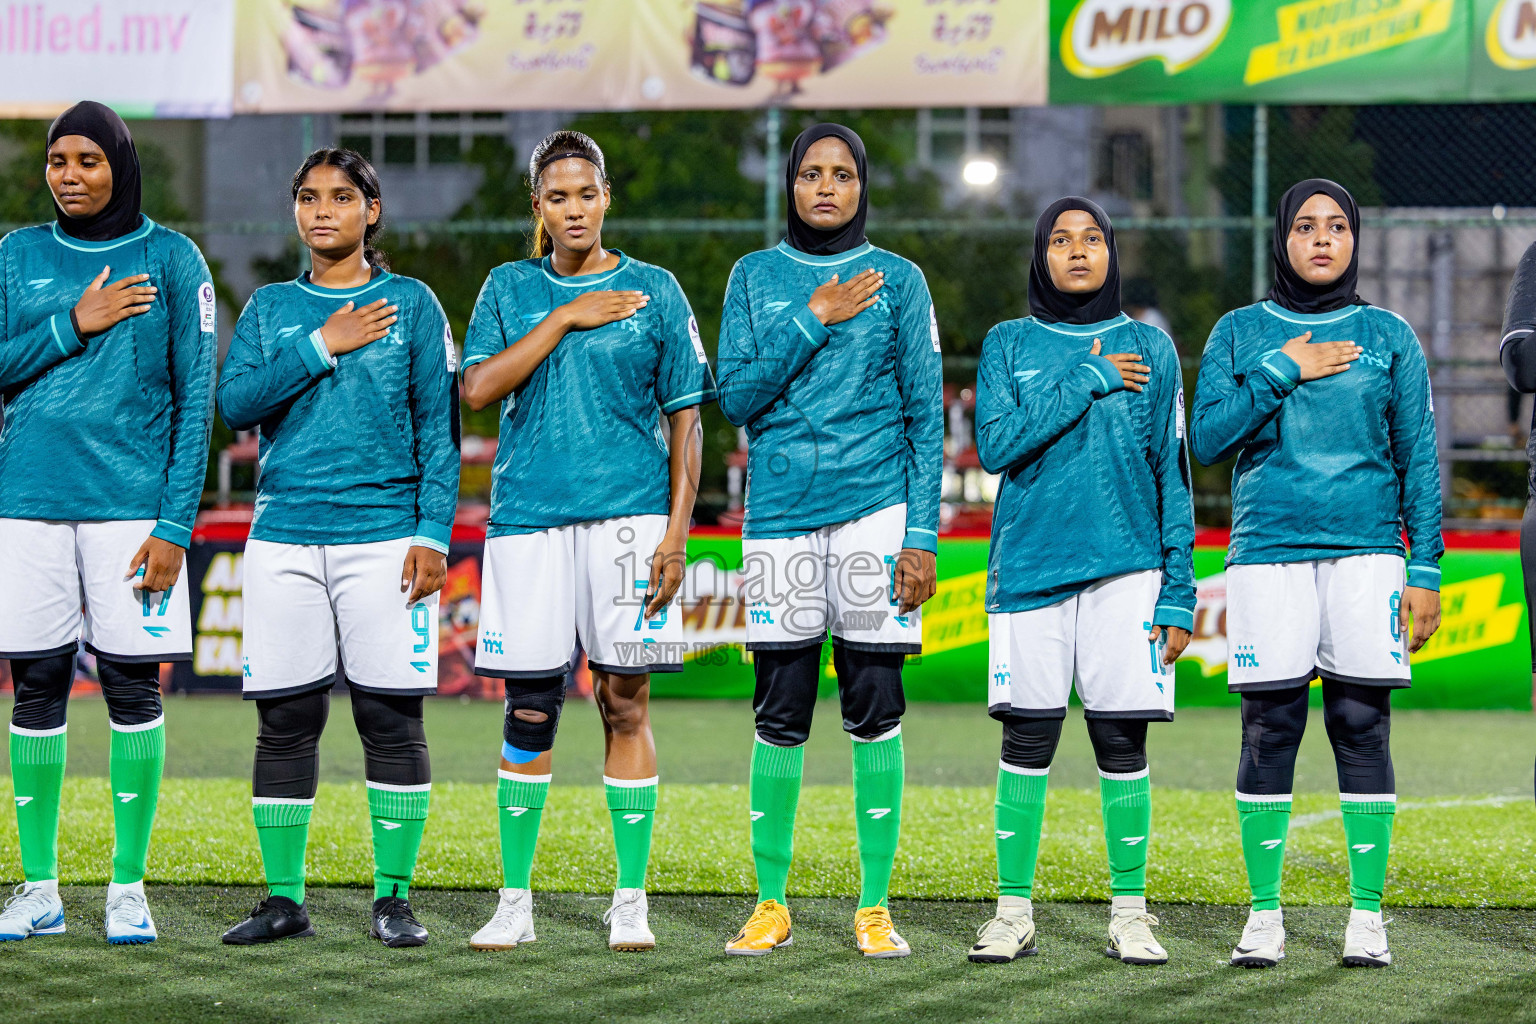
698, 343
205, 306
1178, 415
448, 349
933, 326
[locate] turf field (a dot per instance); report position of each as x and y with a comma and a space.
1461, 873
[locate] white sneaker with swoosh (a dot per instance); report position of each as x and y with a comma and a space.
1365, 940
628, 931
1263, 941
32, 909
1130, 933
128, 920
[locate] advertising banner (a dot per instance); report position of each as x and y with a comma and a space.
1259, 51
1504, 50
145, 58
409, 55
1480, 658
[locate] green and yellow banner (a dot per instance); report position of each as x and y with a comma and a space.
1291, 51
1480, 658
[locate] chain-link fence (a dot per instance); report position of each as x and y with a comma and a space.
1448, 197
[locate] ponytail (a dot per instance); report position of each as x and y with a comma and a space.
361, 173
561, 145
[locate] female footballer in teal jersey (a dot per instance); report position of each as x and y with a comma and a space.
588, 351
829, 356
105, 393
348, 374
1091, 575
1325, 401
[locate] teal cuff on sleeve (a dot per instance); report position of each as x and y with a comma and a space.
432, 535
1173, 615
64, 334
922, 540
173, 533
1283, 369
1424, 575
685, 401
317, 358
812, 328
1104, 377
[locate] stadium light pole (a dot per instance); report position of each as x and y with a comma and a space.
1260, 197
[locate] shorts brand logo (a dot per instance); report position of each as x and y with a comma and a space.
1243, 657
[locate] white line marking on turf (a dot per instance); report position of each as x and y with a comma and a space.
1318, 817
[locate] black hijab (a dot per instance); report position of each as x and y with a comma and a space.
1291, 290
814, 241
1050, 304
102, 126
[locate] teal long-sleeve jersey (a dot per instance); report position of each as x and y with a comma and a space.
581, 440
354, 448
117, 427
1095, 478
841, 421
1333, 467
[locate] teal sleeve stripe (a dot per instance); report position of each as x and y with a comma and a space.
472, 360
697, 398
1099, 375
317, 359
1422, 578
1283, 367
1172, 615
1424, 567
921, 540
433, 535
74, 344
815, 330
419, 541
173, 533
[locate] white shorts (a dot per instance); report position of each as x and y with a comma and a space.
839, 578
303, 602
69, 583
1097, 636
541, 591
1337, 617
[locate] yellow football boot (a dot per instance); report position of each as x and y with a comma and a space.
876, 935
767, 929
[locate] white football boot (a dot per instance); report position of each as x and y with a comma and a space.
1365, 940
128, 920
628, 931
1009, 935
33, 909
1130, 932
1263, 941
511, 925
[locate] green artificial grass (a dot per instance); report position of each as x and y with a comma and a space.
1449, 965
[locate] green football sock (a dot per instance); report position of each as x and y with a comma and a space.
632, 806
1368, 833
521, 802
1264, 822
1127, 803
879, 768
1018, 814
399, 814
37, 773
282, 829
137, 761
774, 797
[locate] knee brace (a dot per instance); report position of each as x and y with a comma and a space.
784, 696
288, 745
869, 686
1030, 742
1359, 721
394, 738
1273, 724
521, 738
131, 689
1119, 744
42, 691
